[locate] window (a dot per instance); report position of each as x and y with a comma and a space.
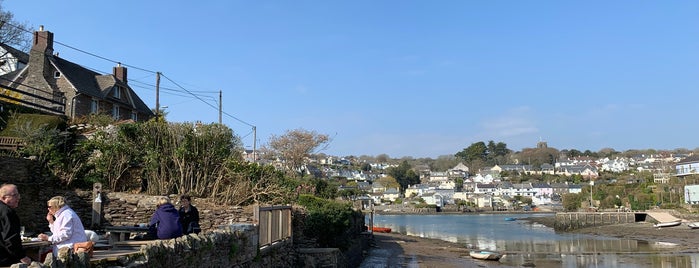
57, 74
115, 111
134, 115
116, 92
94, 106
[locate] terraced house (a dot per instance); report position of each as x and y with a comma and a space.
55, 85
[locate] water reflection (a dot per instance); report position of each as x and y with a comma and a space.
534, 244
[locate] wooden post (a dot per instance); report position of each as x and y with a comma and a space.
96, 206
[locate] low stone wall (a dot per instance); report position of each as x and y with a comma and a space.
125, 209
230, 246
566, 221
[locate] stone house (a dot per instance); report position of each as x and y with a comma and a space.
55, 85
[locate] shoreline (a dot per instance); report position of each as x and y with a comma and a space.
401, 250
683, 236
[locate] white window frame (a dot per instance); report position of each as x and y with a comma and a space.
134, 115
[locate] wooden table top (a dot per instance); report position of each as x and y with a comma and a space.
126, 229
35, 243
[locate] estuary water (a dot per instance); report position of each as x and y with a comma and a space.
535, 245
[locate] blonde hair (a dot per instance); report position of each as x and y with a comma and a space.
163, 200
57, 201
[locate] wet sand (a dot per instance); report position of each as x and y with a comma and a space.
687, 239
398, 250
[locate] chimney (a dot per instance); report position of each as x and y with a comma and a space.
120, 73
43, 41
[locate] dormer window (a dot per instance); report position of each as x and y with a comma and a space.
116, 92
57, 74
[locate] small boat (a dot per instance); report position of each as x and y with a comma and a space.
693, 225
668, 224
381, 230
485, 255
510, 219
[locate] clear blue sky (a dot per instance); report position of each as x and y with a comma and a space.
404, 78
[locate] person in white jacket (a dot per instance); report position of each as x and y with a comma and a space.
66, 226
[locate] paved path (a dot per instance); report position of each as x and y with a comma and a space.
662, 216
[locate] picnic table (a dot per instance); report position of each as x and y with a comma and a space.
34, 249
123, 233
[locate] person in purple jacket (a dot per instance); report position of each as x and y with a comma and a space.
166, 220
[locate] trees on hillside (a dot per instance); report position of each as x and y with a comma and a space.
295, 146
404, 175
479, 154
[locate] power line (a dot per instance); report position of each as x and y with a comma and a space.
137, 68
239, 120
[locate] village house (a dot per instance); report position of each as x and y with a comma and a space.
51, 84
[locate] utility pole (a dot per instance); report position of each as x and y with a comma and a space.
220, 106
254, 144
157, 96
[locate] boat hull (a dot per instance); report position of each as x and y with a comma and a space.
381, 230
485, 255
693, 225
668, 224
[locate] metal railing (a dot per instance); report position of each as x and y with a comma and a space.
274, 224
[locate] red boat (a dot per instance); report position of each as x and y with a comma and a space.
381, 230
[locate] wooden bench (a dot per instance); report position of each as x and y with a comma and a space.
111, 254
11, 143
131, 244
123, 233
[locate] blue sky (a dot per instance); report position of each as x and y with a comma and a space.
404, 78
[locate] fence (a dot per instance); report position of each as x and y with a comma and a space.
274, 224
11, 143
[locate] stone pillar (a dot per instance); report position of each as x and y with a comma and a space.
96, 206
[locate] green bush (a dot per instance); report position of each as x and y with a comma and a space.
328, 221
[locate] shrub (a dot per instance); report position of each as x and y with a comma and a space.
330, 221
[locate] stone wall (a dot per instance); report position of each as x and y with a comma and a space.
233, 246
566, 221
131, 209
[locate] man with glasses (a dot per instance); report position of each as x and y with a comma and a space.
11, 250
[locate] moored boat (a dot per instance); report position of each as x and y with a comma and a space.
693, 225
381, 230
485, 255
668, 224
510, 219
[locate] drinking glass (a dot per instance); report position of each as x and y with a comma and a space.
21, 231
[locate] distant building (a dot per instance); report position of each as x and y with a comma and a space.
691, 194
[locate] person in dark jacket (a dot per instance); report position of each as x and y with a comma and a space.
166, 220
189, 216
11, 250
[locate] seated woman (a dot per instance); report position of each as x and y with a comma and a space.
189, 216
66, 226
166, 220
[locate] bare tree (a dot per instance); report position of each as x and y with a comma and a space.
14, 33
296, 145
